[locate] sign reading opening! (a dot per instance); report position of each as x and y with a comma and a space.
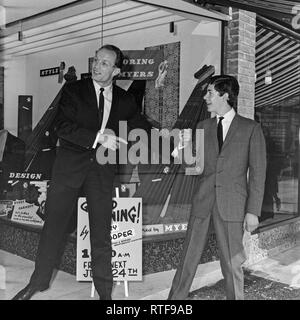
126, 237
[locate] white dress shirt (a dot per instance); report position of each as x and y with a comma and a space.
226, 122
107, 93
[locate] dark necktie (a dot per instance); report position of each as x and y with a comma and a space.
101, 106
220, 133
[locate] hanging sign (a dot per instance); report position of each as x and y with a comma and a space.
139, 64
49, 71
126, 237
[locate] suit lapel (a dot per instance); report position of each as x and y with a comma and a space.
213, 134
114, 103
232, 129
91, 94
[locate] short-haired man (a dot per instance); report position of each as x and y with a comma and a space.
86, 108
230, 191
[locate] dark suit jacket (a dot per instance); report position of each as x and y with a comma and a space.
77, 126
224, 178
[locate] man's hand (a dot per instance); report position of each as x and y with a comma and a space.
185, 137
110, 141
250, 222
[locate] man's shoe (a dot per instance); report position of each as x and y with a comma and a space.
105, 298
26, 293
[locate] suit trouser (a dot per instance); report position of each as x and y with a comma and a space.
59, 209
230, 244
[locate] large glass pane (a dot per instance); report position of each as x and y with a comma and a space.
280, 123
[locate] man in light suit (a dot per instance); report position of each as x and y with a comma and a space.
230, 190
86, 109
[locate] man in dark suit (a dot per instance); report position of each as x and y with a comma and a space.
87, 108
230, 190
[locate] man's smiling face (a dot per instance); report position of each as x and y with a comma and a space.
104, 68
213, 99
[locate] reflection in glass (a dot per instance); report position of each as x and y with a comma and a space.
280, 124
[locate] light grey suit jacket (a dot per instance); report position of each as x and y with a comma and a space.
234, 178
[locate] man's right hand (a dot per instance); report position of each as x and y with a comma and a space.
110, 141
185, 137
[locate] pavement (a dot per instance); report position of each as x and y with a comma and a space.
15, 271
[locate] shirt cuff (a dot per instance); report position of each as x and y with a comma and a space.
174, 154
96, 140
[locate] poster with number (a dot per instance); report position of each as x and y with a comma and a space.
126, 236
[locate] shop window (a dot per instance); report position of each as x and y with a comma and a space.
280, 123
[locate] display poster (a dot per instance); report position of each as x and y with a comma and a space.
23, 198
26, 213
126, 236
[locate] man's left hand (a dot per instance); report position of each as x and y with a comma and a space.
250, 222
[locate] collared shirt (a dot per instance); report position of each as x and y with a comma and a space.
107, 93
226, 122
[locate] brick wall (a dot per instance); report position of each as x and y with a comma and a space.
1, 98
240, 40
